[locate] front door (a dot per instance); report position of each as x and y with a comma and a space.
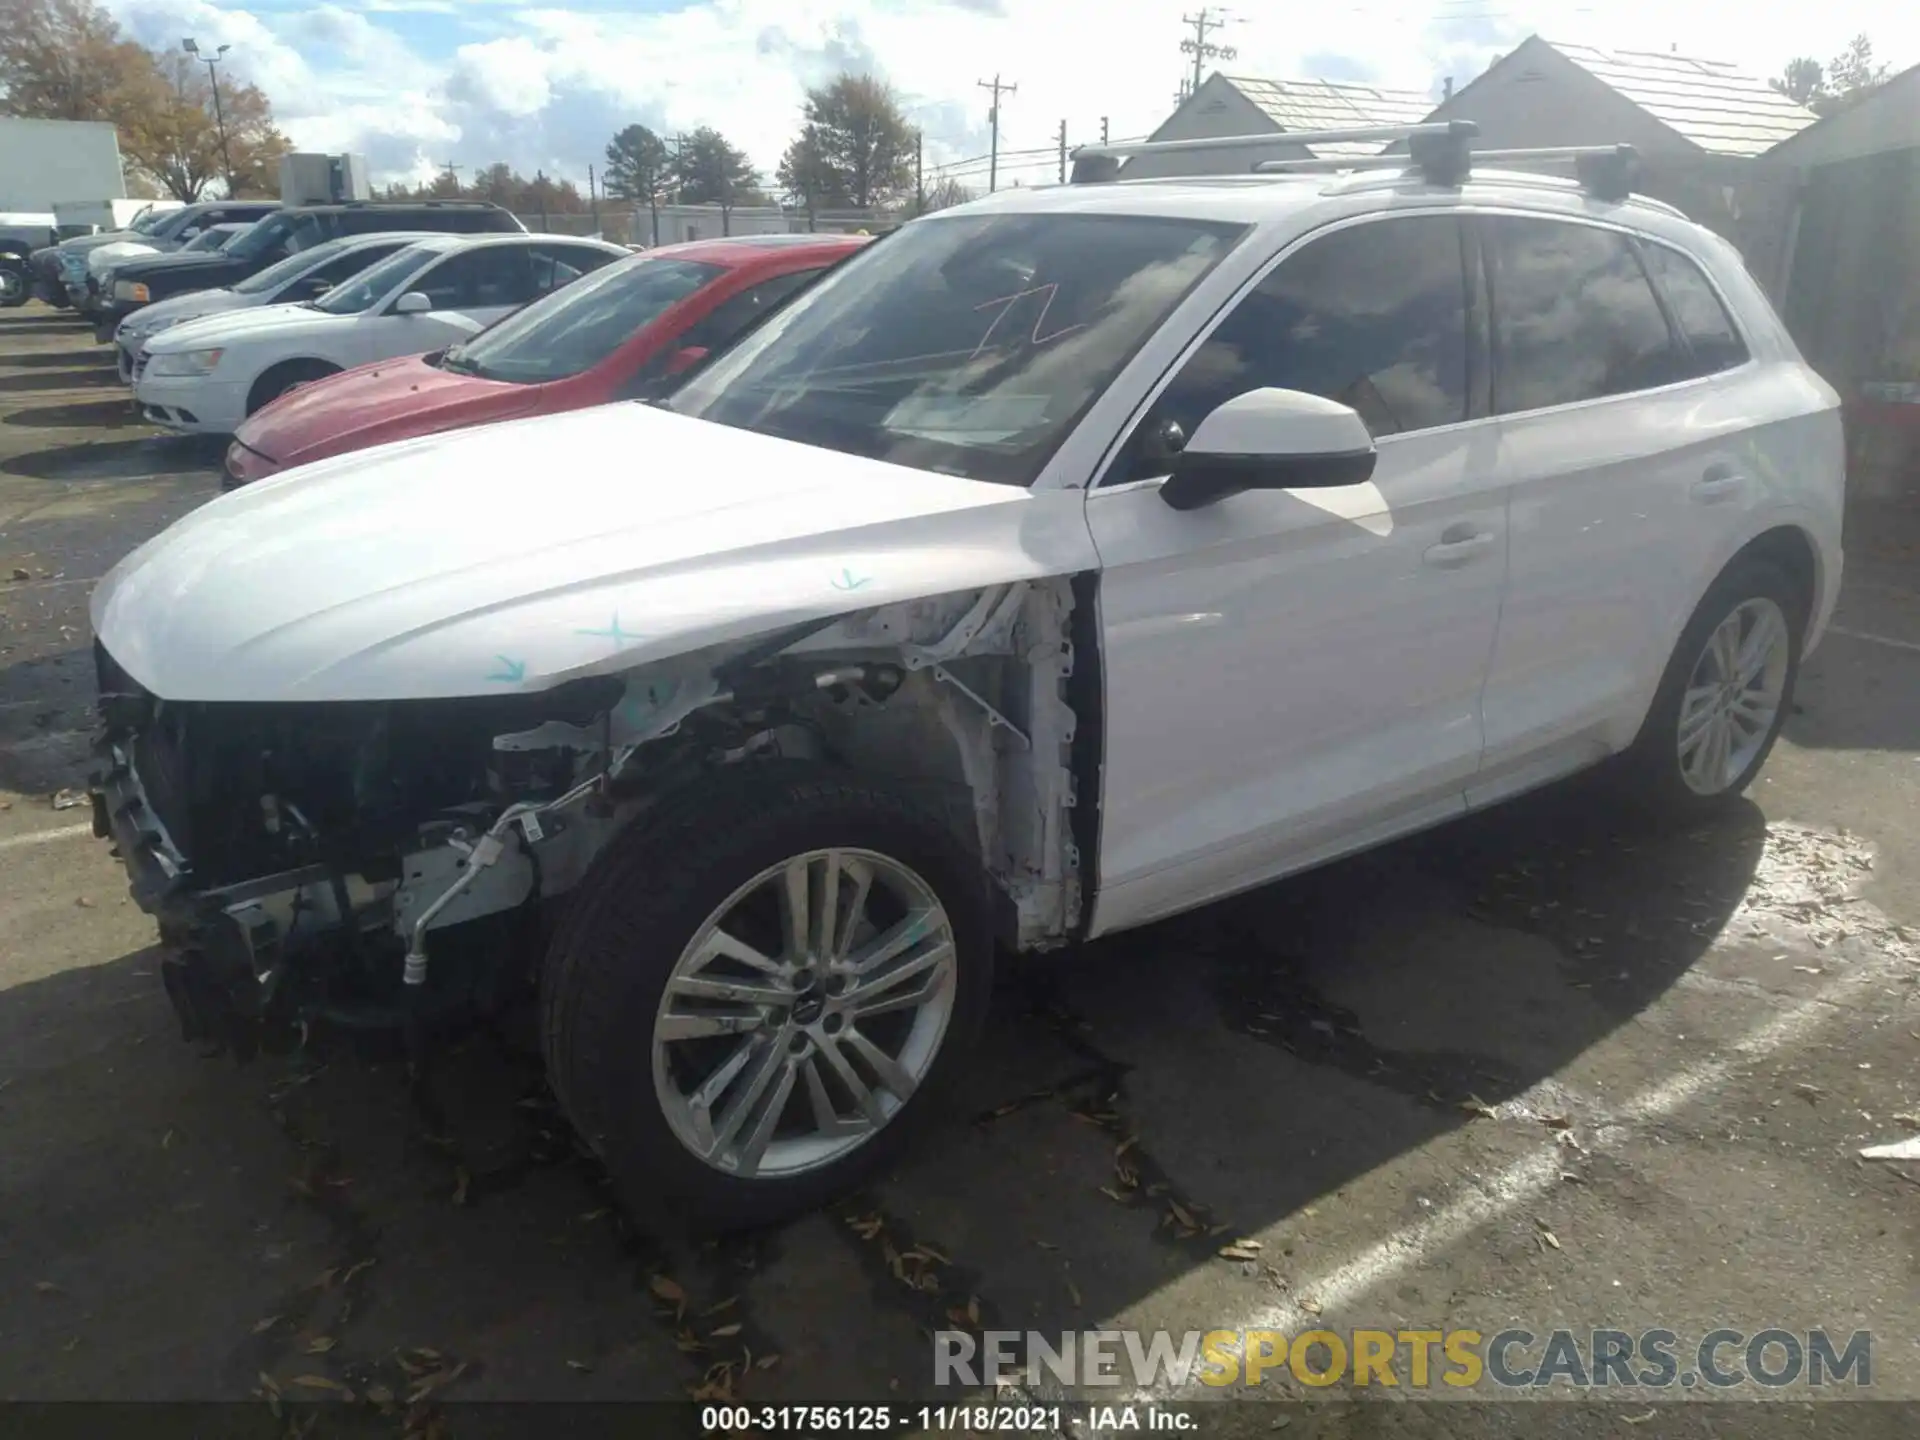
467, 292
1293, 674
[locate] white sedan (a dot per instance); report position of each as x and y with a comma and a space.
205, 376
304, 275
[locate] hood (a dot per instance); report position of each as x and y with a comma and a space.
515, 557
84, 243
229, 326
173, 274
400, 399
164, 314
101, 257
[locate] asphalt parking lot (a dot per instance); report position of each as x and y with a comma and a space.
1534, 1070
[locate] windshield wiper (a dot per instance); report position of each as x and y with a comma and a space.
454, 363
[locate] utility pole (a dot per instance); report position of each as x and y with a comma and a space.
593, 200
993, 123
1198, 46
1063, 152
219, 115
453, 172
1103, 129
919, 176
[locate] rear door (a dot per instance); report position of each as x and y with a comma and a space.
1621, 440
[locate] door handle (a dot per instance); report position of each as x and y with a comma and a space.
1721, 482
1456, 549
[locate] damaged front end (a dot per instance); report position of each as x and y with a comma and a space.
386, 863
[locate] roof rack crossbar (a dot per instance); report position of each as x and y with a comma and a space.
1098, 164
1606, 172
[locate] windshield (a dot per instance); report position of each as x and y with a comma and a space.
281, 271
357, 292
578, 326
281, 234
144, 222
968, 346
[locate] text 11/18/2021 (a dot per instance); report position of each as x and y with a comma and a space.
979, 1419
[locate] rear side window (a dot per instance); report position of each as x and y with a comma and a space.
354, 261
1574, 317
1697, 310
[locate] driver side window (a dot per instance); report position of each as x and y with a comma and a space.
1374, 316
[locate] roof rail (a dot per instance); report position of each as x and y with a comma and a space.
1606, 172
1099, 164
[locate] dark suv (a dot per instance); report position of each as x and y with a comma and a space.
60, 271
146, 279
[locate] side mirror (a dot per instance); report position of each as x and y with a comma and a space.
412, 303
685, 359
192, 232
1271, 440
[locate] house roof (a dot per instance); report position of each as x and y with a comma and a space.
1711, 104
1332, 105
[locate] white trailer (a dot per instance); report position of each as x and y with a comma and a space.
45, 162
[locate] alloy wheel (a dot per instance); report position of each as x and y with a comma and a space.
1733, 696
804, 1013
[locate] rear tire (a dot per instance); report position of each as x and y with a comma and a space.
744, 1108
289, 375
1726, 693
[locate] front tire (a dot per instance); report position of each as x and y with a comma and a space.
16, 284
756, 997
1725, 695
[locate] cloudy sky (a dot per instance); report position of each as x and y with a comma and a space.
413, 84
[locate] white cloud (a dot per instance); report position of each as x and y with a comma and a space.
544, 89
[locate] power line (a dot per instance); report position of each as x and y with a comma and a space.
993, 124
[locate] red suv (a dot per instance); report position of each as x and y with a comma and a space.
618, 333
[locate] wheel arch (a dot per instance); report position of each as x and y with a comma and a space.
278, 370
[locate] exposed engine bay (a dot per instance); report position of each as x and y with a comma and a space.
371, 863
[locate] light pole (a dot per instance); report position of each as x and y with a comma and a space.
219, 115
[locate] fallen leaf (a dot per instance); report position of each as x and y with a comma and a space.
1474, 1105
46, 1287
1557, 1122
1046, 1245
1902, 1118
1073, 1292
669, 1290
1113, 1194
460, 1183
268, 1383
593, 1215
83, 902
766, 1362
320, 1344
166, 1140
723, 1331
380, 1395
582, 1366
1808, 1092
1546, 1234
260, 1327
973, 1309
1637, 1419
1125, 1145
1183, 1215
1312, 1307
324, 1280
726, 1304
322, 1382
931, 1253
355, 1268
72, 1344
1240, 1250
